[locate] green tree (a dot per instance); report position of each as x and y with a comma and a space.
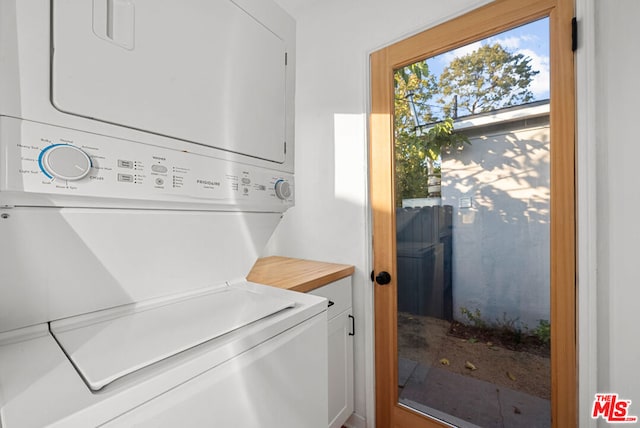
414, 88
411, 170
441, 136
417, 150
487, 79
416, 156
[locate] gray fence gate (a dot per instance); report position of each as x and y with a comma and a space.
424, 243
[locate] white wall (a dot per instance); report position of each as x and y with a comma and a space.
500, 251
618, 199
330, 219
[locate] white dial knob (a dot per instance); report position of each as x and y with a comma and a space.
65, 162
283, 189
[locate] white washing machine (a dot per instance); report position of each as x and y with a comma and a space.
144, 163
238, 355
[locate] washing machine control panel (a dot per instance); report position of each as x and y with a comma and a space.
58, 161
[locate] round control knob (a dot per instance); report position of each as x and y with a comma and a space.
65, 162
283, 189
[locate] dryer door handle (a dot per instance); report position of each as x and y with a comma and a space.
114, 21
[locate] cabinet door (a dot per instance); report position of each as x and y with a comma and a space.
340, 369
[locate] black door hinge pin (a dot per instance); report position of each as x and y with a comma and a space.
574, 34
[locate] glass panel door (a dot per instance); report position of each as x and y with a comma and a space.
472, 164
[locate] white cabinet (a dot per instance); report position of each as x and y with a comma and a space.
305, 276
341, 330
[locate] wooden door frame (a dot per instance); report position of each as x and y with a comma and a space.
478, 24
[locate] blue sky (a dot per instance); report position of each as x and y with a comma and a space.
531, 39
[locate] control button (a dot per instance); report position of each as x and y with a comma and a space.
159, 181
64, 161
246, 190
125, 163
246, 180
262, 187
127, 178
283, 189
159, 168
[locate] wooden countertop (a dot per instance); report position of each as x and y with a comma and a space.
297, 274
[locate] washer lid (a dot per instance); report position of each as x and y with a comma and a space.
108, 345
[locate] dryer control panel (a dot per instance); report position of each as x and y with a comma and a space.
74, 168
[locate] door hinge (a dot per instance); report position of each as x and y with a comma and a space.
574, 34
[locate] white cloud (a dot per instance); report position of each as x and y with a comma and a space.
540, 84
510, 43
447, 57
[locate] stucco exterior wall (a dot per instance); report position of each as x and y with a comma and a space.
499, 189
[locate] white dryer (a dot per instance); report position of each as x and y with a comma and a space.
146, 156
208, 77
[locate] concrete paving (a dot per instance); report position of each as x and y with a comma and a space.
467, 402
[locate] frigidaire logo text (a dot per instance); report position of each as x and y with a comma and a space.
208, 182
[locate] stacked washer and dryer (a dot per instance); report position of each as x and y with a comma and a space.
146, 156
